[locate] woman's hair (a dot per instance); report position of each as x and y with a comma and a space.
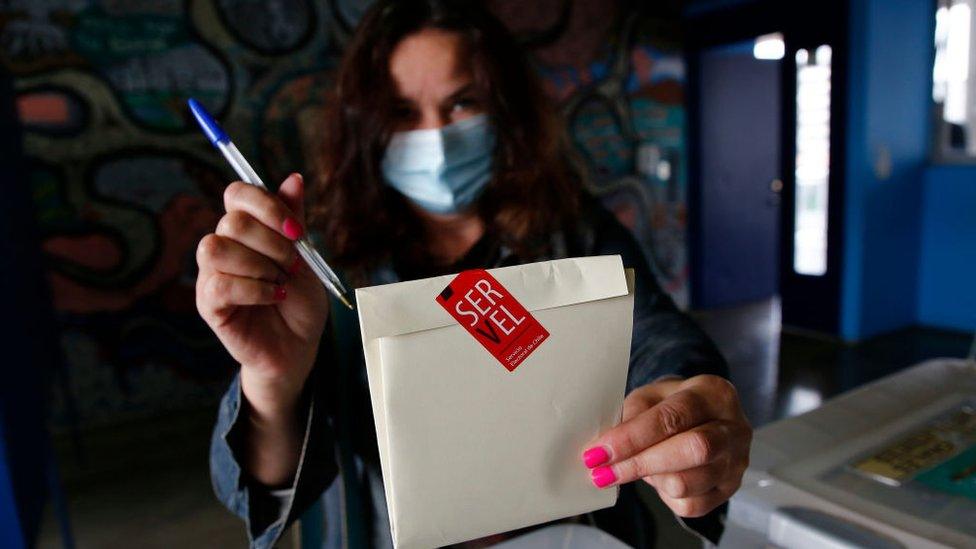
533, 191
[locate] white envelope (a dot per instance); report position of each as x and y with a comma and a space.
469, 449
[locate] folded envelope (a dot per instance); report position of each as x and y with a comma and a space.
469, 448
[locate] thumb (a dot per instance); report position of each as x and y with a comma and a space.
292, 193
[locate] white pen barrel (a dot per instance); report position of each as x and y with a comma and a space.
241, 166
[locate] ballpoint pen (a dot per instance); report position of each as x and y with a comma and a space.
222, 142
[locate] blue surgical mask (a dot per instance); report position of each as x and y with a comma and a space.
442, 170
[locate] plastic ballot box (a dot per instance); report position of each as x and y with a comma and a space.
890, 464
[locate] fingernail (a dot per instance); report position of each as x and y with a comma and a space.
280, 293
292, 229
295, 265
603, 476
299, 176
595, 456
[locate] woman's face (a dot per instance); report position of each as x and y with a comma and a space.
434, 85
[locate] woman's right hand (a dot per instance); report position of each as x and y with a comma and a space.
256, 293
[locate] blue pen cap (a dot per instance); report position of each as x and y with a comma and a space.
209, 126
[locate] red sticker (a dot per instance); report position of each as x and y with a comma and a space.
492, 315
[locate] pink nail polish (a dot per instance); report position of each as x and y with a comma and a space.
595, 456
603, 476
280, 293
292, 229
295, 265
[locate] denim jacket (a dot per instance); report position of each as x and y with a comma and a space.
338, 476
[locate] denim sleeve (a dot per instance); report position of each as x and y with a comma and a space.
665, 340
267, 513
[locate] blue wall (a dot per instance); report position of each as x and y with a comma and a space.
947, 282
888, 109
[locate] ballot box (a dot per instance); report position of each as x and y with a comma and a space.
890, 464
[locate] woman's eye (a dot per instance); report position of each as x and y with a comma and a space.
464, 104
403, 113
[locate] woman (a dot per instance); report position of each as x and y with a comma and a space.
442, 154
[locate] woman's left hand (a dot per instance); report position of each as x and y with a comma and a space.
687, 438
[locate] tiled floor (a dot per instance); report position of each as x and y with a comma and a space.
147, 485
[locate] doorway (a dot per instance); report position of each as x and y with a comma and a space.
738, 187
767, 92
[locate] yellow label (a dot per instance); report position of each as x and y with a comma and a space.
923, 449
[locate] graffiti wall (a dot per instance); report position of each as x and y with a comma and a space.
619, 76
124, 185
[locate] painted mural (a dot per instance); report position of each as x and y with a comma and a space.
125, 186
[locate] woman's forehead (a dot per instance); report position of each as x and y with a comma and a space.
430, 64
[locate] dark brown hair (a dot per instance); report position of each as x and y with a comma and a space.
533, 191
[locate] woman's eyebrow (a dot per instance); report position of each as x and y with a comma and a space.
463, 90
